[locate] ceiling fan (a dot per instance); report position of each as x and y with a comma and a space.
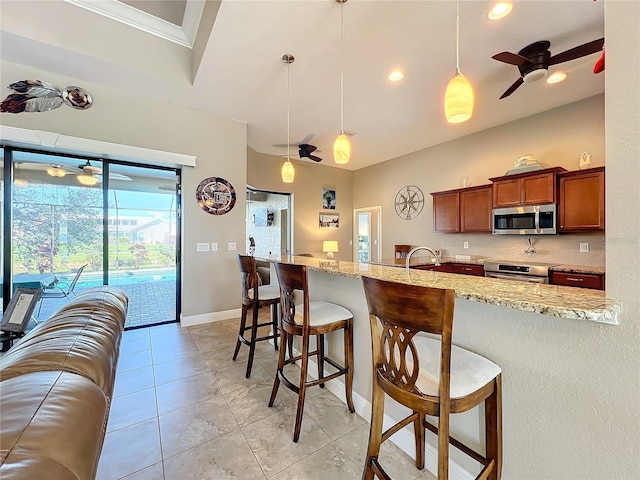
534, 60
305, 151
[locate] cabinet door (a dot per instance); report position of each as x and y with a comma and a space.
446, 218
506, 193
581, 202
444, 267
537, 189
475, 210
584, 280
465, 269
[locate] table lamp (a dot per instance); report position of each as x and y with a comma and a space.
329, 247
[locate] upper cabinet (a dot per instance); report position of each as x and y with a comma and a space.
532, 188
581, 200
462, 210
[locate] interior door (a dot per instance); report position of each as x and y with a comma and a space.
367, 245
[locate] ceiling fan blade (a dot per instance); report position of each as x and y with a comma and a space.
577, 52
512, 59
314, 158
306, 148
512, 88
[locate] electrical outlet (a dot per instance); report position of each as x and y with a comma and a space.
202, 247
465, 245
584, 247
232, 246
214, 247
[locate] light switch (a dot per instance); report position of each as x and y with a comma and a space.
202, 247
232, 246
214, 247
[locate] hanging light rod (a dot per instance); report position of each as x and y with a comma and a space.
341, 147
288, 172
458, 98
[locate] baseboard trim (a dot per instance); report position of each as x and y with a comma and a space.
212, 317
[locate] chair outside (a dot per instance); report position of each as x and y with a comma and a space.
265, 295
401, 251
304, 320
58, 292
428, 375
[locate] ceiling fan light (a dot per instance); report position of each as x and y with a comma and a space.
557, 77
288, 172
341, 149
85, 179
56, 171
458, 99
500, 10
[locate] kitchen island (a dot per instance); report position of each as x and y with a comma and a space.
544, 337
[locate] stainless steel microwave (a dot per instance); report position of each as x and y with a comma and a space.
528, 220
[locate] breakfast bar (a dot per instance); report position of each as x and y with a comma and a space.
483, 323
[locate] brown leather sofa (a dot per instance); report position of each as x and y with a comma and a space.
56, 387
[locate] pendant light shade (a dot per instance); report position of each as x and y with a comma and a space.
86, 179
341, 147
288, 172
458, 99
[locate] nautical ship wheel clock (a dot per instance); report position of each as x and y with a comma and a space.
215, 195
409, 202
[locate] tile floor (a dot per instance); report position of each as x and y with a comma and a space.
183, 410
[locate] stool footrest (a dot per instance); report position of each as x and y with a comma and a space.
399, 426
459, 445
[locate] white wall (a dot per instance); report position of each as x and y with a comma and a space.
556, 138
219, 145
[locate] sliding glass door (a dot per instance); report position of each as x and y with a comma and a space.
77, 222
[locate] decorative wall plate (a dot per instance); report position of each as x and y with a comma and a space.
409, 202
215, 195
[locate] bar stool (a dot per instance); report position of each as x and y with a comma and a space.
266, 295
401, 251
304, 320
427, 375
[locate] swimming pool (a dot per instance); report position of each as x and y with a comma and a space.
94, 279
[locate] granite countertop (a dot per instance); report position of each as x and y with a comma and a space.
552, 300
579, 269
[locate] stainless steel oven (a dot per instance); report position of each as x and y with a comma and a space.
521, 272
528, 220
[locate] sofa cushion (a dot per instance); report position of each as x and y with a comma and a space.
53, 426
82, 337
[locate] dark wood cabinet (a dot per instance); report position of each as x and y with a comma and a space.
466, 269
532, 188
581, 203
445, 267
584, 280
463, 210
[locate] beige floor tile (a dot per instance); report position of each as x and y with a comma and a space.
233, 377
225, 458
332, 414
135, 334
134, 408
183, 429
271, 440
154, 472
250, 404
133, 361
327, 463
129, 450
208, 344
134, 345
171, 351
165, 329
178, 369
184, 392
133, 380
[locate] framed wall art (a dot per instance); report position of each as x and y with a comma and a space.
329, 220
328, 199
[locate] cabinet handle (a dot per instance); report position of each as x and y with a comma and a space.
467, 269
573, 279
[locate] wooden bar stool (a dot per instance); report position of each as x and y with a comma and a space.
304, 320
427, 375
266, 295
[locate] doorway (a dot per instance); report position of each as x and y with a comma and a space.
269, 220
104, 222
367, 236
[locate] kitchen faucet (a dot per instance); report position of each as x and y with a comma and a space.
421, 248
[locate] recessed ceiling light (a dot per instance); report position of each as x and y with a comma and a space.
396, 76
556, 77
500, 10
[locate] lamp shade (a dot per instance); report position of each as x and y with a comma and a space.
87, 179
288, 173
329, 247
458, 99
341, 149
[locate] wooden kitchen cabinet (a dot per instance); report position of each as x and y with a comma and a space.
467, 269
584, 280
581, 200
463, 210
531, 188
444, 267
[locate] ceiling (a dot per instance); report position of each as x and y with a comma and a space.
234, 68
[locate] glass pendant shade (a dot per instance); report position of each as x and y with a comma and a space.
288, 173
56, 171
341, 149
85, 179
458, 99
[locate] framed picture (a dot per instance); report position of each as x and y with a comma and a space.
329, 220
328, 199
19, 310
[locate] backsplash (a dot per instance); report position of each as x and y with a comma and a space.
560, 249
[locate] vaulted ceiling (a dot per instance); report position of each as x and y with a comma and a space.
225, 58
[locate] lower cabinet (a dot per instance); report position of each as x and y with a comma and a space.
584, 280
461, 268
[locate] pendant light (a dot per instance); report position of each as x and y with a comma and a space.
341, 147
458, 99
288, 172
